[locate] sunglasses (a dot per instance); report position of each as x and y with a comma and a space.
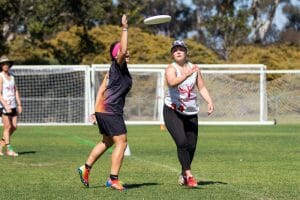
178, 48
5, 63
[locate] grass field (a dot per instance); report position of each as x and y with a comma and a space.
231, 162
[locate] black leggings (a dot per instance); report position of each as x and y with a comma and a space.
184, 131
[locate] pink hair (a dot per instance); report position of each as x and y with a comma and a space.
116, 49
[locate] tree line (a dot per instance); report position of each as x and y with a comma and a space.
220, 25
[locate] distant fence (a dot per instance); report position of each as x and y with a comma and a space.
242, 94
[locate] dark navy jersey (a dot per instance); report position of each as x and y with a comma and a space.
118, 85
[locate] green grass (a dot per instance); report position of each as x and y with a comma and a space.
231, 162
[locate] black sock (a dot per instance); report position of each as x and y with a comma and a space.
113, 177
89, 167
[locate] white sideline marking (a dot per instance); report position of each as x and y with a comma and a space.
229, 186
172, 169
35, 164
157, 164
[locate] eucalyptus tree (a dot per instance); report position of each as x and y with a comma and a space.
263, 12
291, 32
221, 24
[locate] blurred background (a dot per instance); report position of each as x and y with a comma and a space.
40, 35
217, 31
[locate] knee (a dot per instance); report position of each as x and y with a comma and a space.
107, 143
182, 145
7, 127
122, 144
13, 128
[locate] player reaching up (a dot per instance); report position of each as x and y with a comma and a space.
109, 107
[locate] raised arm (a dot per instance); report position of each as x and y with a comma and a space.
123, 41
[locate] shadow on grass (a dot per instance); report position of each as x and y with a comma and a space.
127, 186
138, 185
26, 152
211, 183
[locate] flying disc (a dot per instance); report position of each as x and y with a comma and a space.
158, 19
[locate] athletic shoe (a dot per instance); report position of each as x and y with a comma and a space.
191, 182
114, 184
108, 183
10, 152
182, 180
84, 175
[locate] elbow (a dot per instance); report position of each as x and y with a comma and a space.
123, 51
172, 84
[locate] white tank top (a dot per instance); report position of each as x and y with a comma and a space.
8, 91
183, 97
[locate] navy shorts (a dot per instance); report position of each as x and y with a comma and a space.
111, 124
13, 112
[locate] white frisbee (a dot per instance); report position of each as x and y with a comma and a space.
158, 19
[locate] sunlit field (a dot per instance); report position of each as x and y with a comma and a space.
231, 162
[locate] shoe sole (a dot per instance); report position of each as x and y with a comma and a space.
114, 188
109, 185
192, 186
81, 178
15, 155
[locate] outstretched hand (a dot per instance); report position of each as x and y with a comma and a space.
92, 119
124, 21
210, 108
189, 71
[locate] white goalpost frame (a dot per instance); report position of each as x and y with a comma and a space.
205, 68
87, 96
241, 69
284, 86
138, 68
159, 69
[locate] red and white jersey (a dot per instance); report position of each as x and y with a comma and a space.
8, 91
183, 97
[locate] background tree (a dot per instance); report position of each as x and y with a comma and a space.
291, 33
133, 10
84, 14
221, 24
39, 27
262, 26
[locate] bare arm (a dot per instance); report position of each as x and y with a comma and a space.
204, 93
99, 104
2, 100
124, 41
174, 80
18, 99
